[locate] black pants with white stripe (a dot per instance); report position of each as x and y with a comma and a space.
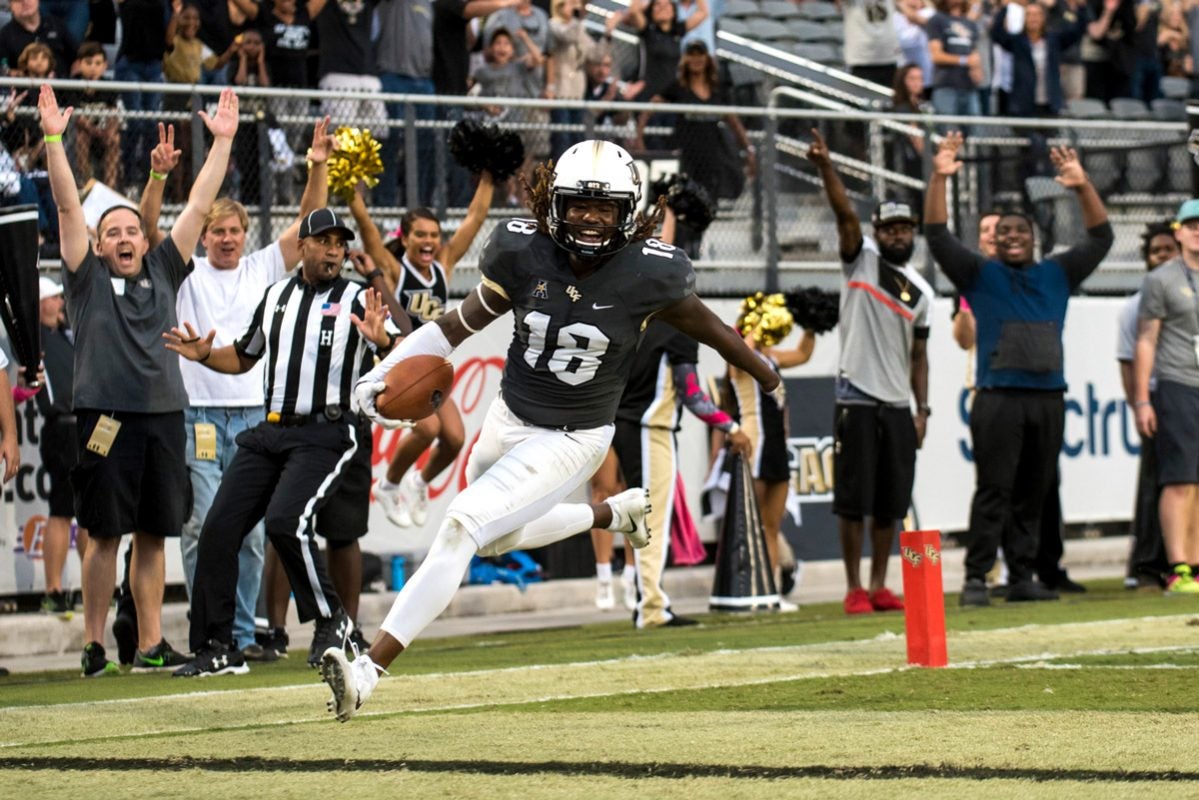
282, 475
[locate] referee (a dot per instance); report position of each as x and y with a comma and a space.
318, 332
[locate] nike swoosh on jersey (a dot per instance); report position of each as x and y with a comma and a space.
598, 307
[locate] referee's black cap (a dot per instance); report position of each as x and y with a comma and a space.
321, 220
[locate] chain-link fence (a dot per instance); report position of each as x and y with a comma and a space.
772, 226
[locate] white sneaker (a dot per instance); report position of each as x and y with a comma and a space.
629, 510
628, 580
786, 606
605, 600
393, 506
416, 498
351, 681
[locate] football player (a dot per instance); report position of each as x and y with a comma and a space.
582, 280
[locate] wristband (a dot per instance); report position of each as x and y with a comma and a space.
376, 273
1140, 403
52, 137
962, 61
157, 176
733, 428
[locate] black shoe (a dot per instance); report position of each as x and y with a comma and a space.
95, 662
57, 603
1066, 586
124, 630
274, 643
214, 658
974, 593
998, 591
788, 581
329, 632
679, 622
1029, 591
159, 657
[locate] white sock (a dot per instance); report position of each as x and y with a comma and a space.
563, 520
431, 588
387, 486
603, 572
418, 480
630, 572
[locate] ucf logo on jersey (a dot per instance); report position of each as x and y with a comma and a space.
423, 306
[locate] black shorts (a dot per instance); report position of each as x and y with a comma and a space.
59, 450
874, 461
1177, 440
141, 485
345, 515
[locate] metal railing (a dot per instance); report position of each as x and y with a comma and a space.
775, 231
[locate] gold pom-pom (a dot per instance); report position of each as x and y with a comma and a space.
355, 159
766, 318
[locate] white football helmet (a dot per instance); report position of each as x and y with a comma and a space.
595, 170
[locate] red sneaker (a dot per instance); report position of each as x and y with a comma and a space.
885, 600
858, 602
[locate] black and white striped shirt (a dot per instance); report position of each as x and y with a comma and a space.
314, 353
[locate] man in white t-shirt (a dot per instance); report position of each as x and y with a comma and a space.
221, 294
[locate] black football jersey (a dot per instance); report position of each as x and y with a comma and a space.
574, 339
423, 300
651, 397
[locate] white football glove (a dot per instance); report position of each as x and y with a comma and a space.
365, 393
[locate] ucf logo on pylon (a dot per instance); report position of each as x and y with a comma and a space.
912, 556
934, 555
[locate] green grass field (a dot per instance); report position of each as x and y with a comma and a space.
1093, 696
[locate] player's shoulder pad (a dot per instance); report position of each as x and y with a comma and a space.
661, 270
507, 240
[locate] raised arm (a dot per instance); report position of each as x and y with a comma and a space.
10, 443
71, 225
372, 241
316, 190
793, 357
163, 158
462, 239
960, 264
849, 227
1082, 259
223, 126
695, 319
699, 15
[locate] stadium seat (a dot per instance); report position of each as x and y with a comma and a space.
737, 27
741, 9
1167, 109
1176, 88
1128, 108
770, 31
819, 10
780, 9
808, 31
1085, 108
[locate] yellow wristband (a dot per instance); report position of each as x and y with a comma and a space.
157, 176
52, 137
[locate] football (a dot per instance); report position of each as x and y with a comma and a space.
416, 388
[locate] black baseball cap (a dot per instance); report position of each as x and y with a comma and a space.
890, 211
696, 46
321, 220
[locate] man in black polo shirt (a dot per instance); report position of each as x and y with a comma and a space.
29, 26
318, 332
129, 396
